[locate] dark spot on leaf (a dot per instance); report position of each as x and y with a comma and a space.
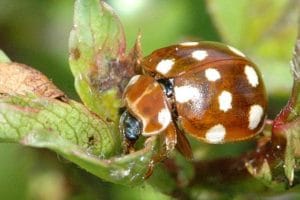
75, 53
63, 99
91, 140
109, 120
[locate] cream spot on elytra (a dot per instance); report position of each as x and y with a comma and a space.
255, 115
199, 54
186, 93
164, 66
164, 117
212, 74
251, 76
216, 134
225, 101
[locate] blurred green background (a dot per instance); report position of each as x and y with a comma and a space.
36, 33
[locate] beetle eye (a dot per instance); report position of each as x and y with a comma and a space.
167, 86
130, 126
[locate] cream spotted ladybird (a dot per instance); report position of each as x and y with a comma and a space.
208, 90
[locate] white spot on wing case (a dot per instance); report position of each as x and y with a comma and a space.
225, 101
212, 74
255, 115
164, 117
164, 66
251, 76
199, 54
186, 93
216, 134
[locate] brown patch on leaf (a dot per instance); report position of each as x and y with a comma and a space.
107, 73
75, 53
116, 74
20, 79
92, 140
25, 109
135, 56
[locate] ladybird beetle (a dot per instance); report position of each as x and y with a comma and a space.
205, 89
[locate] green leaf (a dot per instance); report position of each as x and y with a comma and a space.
286, 126
3, 57
97, 44
265, 31
289, 161
71, 121
264, 173
291, 118
72, 131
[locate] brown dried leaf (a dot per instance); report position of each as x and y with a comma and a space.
20, 79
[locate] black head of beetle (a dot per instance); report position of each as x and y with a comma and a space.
130, 126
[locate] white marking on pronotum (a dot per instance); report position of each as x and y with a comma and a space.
236, 51
225, 100
251, 76
133, 80
255, 114
199, 54
212, 74
164, 66
185, 93
164, 117
216, 134
189, 43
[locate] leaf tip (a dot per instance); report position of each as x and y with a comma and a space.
4, 58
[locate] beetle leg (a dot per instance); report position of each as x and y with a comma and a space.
169, 140
173, 137
168, 144
183, 145
128, 146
